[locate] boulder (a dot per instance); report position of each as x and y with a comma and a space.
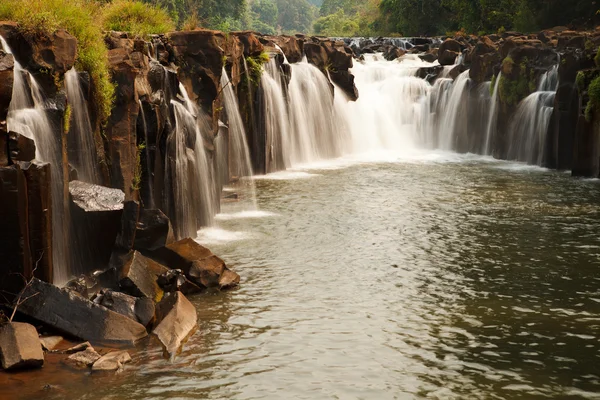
176, 321
228, 280
140, 309
50, 342
77, 316
448, 51
393, 52
20, 147
153, 230
207, 271
77, 348
429, 57
181, 254
20, 346
138, 276
96, 218
145, 310
82, 359
111, 361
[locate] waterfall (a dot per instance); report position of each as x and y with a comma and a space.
529, 126
313, 133
188, 170
274, 117
240, 164
454, 115
85, 160
27, 116
492, 118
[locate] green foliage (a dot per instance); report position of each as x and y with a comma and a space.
67, 118
413, 17
580, 81
295, 15
135, 17
337, 24
594, 98
512, 91
255, 67
79, 18
493, 84
210, 13
136, 182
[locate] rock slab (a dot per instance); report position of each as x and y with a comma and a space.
20, 346
177, 321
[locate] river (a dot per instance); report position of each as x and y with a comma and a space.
430, 275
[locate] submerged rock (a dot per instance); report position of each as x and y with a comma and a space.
112, 361
20, 346
176, 321
83, 359
77, 316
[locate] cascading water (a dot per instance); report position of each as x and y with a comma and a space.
492, 118
239, 161
274, 117
189, 172
454, 115
314, 133
85, 160
27, 116
529, 127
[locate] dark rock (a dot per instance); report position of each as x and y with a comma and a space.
448, 57
153, 230
20, 346
129, 221
6, 82
83, 359
176, 321
20, 147
393, 53
111, 361
138, 276
26, 215
78, 286
144, 310
175, 280
96, 218
428, 57
118, 302
448, 51
77, 316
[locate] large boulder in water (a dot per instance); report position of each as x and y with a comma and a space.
176, 321
71, 313
20, 346
96, 218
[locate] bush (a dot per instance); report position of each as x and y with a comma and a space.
594, 98
135, 17
79, 18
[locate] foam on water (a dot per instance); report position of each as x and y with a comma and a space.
287, 175
244, 214
215, 235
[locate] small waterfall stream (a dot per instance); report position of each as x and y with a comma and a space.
529, 126
492, 118
27, 116
85, 160
240, 165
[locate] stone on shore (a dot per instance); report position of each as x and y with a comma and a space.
177, 321
83, 359
77, 316
20, 346
112, 361
50, 342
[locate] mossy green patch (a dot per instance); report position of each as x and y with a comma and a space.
135, 17
594, 98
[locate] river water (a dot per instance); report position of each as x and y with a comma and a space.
431, 275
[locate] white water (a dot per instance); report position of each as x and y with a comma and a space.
492, 118
81, 130
239, 155
27, 115
529, 126
189, 172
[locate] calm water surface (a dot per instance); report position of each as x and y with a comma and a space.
437, 276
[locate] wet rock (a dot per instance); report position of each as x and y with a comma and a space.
138, 309
96, 218
77, 348
50, 342
20, 147
6, 82
112, 361
78, 286
207, 271
181, 254
393, 53
20, 346
228, 280
138, 276
83, 359
177, 321
145, 310
175, 280
129, 221
77, 316
153, 230
448, 51
428, 57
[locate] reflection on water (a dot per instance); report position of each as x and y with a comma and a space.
457, 277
